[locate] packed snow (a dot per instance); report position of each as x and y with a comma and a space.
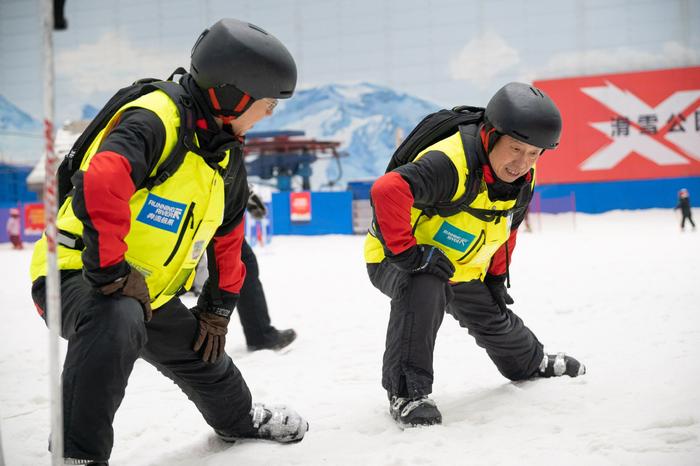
620, 291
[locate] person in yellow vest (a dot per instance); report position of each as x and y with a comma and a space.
430, 260
128, 248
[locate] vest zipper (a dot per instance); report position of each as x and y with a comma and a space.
476, 243
415, 225
189, 218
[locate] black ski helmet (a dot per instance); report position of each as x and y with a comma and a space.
525, 113
236, 63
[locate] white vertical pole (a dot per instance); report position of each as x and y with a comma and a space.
53, 289
538, 198
573, 208
2, 456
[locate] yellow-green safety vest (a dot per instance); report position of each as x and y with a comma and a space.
171, 224
468, 242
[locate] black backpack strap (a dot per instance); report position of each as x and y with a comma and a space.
468, 134
476, 172
473, 181
70, 164
185, 137
185, 142
178, 71
432, 129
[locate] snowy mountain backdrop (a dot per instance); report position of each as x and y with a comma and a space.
364, 117
20, 134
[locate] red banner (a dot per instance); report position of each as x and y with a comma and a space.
300, 206
627, 126
33, 219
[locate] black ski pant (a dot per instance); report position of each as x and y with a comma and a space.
105, 337
689, 217
418, 303
252, 305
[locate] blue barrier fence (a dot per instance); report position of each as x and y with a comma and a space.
595, 198
331, 213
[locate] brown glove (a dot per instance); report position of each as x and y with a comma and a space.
212, 330
134, 286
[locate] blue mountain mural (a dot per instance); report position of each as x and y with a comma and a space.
20, 134
89, 112
363, 117
12, 118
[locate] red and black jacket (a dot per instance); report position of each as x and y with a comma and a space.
126, 157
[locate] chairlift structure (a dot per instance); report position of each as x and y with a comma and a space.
284, 154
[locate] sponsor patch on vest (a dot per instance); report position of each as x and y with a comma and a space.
162, 213
453, 237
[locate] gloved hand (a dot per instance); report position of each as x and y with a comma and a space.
424, 258
132, 285
212, 331
256, 206
497, 286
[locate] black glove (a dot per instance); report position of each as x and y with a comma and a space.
134, 286
424, 258
256, 206
497, 286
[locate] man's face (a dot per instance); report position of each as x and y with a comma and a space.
256, 112
511, 159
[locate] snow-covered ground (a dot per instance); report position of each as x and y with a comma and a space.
621, 292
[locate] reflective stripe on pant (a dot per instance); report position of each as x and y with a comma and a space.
418, 303
105, 337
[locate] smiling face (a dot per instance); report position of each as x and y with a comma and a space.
511, 159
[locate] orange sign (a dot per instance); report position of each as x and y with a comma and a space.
33, 219
300, 206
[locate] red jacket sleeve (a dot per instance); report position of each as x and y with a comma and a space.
227, 251
102, 192
392, 201
103, 208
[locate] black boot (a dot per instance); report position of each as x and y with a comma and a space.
411, 413
276, 340
556, 365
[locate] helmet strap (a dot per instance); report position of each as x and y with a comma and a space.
227, 102
489, 137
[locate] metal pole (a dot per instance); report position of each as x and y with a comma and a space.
2, 456
538, 202
53, 289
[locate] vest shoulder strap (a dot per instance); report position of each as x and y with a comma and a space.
473, 187
473, 179
179, 96
185, 136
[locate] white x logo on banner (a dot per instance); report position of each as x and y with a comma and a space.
661, 148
